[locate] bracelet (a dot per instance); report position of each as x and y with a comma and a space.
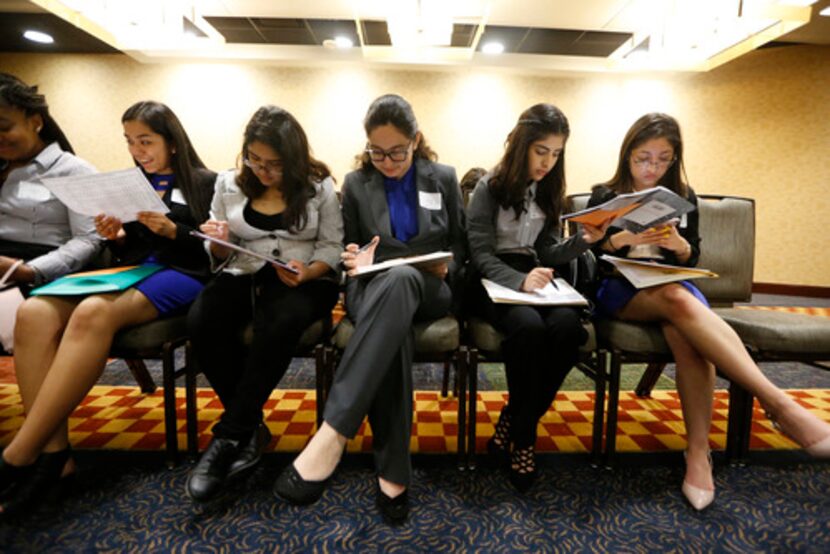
611, 243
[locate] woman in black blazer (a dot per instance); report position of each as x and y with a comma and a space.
62, 342
400, 202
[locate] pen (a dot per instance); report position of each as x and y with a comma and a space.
364, 248
553, 282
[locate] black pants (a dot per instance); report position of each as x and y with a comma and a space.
244, 376
24, 250
540, 347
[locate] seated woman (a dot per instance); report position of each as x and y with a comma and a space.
399, 203
652, 154
34, 225
62, 342
514, 235
280, 203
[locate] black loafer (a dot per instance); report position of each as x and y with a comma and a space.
393, 510
43, 483
210, 473
290, 486
250, 455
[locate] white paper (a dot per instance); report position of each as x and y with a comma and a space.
566, 295
649, 212
423, 259
120, 194
649, 274
429, 200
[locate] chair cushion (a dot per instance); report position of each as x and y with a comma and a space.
485, 337
150, 336
438, 335
626, 336
310, 337
780, 332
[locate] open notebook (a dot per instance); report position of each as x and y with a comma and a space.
565, 295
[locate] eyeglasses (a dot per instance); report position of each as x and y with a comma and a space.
396, 154
270, 167
658, 164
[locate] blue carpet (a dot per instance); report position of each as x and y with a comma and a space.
132, 503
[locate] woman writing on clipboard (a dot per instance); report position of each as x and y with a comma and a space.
62, 342
401, 203
652, 154
280, 204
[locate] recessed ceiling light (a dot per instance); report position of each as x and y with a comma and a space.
493, 48
825, 12
37, 36
343, 42
798, 2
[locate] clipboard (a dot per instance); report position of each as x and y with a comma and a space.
243, 250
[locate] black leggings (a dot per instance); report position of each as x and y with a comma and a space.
244, 376
540, 347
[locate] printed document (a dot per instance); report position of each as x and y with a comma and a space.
566, 295
636, 211
417, 261
644, 274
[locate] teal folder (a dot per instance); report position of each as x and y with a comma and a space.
94, 282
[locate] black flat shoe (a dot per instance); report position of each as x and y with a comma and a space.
43, 482
211, 472
290, 486
393, 510
524, 474
251, 454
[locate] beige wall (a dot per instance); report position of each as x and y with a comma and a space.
758, 126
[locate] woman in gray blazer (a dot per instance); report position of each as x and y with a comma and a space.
280, 203
400, 202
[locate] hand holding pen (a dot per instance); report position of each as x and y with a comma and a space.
354, 256
538, 278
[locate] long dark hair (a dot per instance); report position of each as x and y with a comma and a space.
651, 126
392, 109
275, 127
14, 93
510, 177
184, 158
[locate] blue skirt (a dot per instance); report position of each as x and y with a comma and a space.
170, 291
614, 293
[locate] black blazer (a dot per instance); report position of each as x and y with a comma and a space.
185, 253
366, 214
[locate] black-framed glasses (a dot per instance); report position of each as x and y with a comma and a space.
271, 167
398, 154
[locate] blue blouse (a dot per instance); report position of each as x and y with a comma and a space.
402, 198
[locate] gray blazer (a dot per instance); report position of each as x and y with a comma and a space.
441, 219
548, 249
320, 240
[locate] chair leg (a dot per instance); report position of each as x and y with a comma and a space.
739, 424
650, 377
601, 359
613, 406
191, 405
445, 384
472, 415
141, 375
461, 379
320, 371
170, 420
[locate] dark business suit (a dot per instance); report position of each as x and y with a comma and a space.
375, 374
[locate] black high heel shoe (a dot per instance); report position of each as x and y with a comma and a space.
524, 474
498, 447
393, 510
43, 482
10, 474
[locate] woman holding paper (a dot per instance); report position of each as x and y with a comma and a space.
514, 236
280, 203
62, 342
36, 227
652, 154
399, 203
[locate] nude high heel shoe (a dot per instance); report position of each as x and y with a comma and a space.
819, 449
697, 497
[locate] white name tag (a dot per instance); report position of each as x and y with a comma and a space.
683, 221
429, 200
33, 191
177, 197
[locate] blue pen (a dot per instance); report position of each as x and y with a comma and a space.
553, 282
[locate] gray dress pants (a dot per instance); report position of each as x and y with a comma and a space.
375, 373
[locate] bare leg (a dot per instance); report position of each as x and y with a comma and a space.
718, 343
695, 385
75, 367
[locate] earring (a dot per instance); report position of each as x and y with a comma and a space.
37, 130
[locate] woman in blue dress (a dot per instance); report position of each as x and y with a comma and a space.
62, 342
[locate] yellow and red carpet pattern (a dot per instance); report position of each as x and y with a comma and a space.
123, 418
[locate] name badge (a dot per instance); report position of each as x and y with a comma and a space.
683, 222
177, 197
429, 200
33, 191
